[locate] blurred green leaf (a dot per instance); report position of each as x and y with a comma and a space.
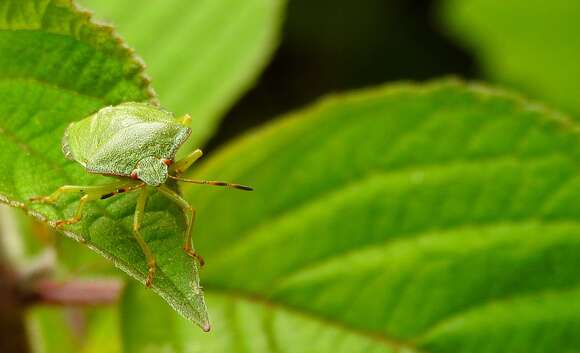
58, 330
435, 218
56, 67
103, 334
156, 328
49, 331
531, 45
202, 54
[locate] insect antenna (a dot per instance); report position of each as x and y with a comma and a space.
213, 183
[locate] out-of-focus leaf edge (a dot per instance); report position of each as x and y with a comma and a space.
286, 120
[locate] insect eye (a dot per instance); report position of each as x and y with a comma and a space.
167, 162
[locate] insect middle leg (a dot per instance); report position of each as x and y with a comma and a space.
90, 193
189, 213
137, 221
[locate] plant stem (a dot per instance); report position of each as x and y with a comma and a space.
74, 292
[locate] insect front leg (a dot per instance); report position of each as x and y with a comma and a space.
137, 221
182, 165
184, 120
189, 213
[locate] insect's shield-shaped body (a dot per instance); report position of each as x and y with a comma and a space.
132, 139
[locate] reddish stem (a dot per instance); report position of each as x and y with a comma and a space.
74, 292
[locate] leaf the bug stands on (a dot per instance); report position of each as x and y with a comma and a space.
52, 73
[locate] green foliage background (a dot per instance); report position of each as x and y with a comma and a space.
432, 217
529, 45
205, 52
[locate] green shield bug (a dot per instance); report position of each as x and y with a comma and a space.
136, 143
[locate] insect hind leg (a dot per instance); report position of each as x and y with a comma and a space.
189, 213
78, 214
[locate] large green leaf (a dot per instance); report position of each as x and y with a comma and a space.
436, 218
531, 45
56, 67
202, 54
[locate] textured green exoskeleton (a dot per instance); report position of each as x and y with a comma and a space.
136, 143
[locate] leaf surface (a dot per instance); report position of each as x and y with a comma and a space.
57, 66
202, 54
531, 45
433, 218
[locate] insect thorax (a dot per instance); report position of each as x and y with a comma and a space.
152, 171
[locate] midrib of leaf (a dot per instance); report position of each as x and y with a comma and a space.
274, 306
381, 338
365, 255
376, 337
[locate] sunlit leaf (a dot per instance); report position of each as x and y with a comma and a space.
435, 218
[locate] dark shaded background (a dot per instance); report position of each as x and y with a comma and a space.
326, 46
337, 45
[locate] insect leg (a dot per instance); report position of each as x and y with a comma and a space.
100, 189
52, 198
137, 220
189, 213
183, 164
184, 120
90, 193
78, 214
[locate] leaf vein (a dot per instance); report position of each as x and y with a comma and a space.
377, 337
